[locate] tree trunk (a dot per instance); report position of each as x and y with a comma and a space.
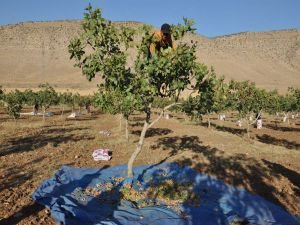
62, 111
248, 130
126, 129
44, 111
147, 125
138, 149
121, 117
286, 118
208, 120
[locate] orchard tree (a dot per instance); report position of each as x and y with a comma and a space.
101, 49
47, 97
273, 102
210, 95
114, 102
32, 99
75, 101
85, 102
289, 103
65, 99
243, 97
13, 103
295, 93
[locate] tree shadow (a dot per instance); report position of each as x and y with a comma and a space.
81, 118
281, 128
151, 132
238, 170
60, 126
267, 139
137, 124
138, 118
14, 183
64, 189
236, 131
179, 117
293, 176
15, 176
24, 212
109, 206
53, 137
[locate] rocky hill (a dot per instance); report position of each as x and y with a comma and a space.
36, 52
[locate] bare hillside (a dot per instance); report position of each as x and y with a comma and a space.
36, 52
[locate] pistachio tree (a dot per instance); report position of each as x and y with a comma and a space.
65, 99
47, 97
101, 49
210, 95
13, 103
289, 103
31, 99
114, 102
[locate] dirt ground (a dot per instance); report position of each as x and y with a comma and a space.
31, 150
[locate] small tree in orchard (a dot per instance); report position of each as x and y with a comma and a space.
273, 102
76, 98
85, 102
289, 103
296, 93
47, 97
296, 105
114, 102
101, 49
65, 99
241, 98
13, 103
31, 99
210, 95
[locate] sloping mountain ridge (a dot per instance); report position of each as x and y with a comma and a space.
36, 52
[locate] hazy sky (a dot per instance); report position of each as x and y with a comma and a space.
212, 17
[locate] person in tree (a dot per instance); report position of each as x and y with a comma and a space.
161, 39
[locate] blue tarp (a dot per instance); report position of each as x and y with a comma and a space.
220, 204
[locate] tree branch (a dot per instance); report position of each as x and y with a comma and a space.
162, 113
256, 118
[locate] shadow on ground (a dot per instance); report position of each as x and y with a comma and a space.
48, 136
151, 132
267, 139
24, 212
281, 128
237, 170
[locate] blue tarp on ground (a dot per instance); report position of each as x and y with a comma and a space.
220, 204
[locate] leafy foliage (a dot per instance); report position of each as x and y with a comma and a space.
211, 94
13, 103
179, 30
242, 97
115, 102
102, 50
31, 97
47, 96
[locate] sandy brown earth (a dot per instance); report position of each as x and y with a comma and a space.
32, 150
36, 52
